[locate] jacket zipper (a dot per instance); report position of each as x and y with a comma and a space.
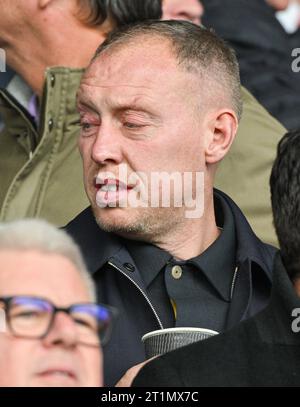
141, 291
233, 281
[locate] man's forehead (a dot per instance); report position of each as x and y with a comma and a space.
11, 271
42, 274
143, 72
17, 261
139, 53
132, 81
131, 69
126, 79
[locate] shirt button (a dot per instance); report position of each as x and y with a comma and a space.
176, 272
129, 267
52, 80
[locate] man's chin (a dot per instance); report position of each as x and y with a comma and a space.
119, 228
52, 381
115, 220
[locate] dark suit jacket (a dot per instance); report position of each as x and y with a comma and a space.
262, 351
108, 259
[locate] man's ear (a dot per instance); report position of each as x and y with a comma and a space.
223, 128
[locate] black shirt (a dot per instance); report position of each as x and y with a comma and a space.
200, 287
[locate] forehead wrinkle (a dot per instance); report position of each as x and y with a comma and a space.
138, 101
115, 86
131, 62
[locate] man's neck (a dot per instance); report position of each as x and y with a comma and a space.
192, 237
72, 49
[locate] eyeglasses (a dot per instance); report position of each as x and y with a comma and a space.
33, 317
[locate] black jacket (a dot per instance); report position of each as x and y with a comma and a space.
264, 52
119, 283
262, 351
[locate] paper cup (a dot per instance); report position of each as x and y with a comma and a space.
165, 340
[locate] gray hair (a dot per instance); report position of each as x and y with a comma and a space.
33, 234
195, 48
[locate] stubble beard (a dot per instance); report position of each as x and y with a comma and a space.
145, 225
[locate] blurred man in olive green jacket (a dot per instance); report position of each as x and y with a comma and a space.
48, 43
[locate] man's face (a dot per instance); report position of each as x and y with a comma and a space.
191, 10
140, 111
57, 359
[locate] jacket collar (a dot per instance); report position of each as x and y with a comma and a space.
249, 246
58, 101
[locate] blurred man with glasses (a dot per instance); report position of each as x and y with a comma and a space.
51, 328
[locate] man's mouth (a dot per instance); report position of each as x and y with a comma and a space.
63, 374
111, 192
111, 185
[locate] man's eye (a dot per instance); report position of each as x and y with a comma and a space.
132, 125
92, 325
27, 314
86, 126
87, 129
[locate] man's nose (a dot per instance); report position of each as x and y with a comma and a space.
107, 147
63, 331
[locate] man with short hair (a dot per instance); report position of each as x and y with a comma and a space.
49, 321
161, 102
265, 350
48, 43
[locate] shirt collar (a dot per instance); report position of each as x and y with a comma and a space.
217, 262
149, 259
19, 89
